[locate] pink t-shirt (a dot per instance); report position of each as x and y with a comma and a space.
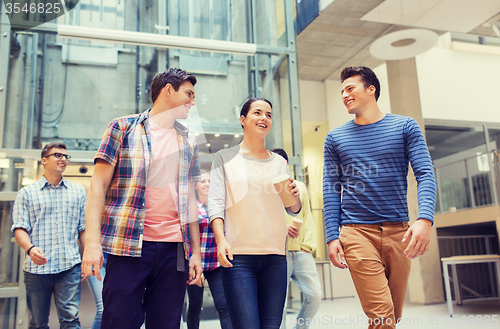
162, 223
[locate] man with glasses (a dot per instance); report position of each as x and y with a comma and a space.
49, 218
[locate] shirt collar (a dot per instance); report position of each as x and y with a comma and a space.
179, 127
200, 204
44, 182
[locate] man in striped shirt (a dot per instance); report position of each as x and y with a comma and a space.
141, 208
49, 218
364, 194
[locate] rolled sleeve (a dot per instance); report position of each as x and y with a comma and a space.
111, 142
20, 213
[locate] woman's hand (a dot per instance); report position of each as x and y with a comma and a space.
201, 283
295, 192
224, 253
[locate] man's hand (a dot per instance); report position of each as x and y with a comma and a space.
420, 233
293, 232
92, 261
195, 270
37, 256
335, 251
224, 253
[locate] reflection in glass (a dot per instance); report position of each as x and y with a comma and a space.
261, 22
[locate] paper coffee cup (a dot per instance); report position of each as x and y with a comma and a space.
281, 184
297, 223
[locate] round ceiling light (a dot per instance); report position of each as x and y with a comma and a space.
403, 44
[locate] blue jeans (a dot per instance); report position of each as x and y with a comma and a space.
195, 294
66, 289
96, 290
302, 269
255, 289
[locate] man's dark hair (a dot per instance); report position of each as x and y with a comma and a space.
246, 107
46, 149
172, 76
365, 73
280, 152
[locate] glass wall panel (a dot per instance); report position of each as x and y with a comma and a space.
9, 269
467, 167
479, 169
494, 146
250, 21
68, 89
454, 139
74, 90
454, 186
8, 312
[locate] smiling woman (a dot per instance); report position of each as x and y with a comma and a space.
248, 220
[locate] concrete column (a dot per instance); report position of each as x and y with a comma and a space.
425, 285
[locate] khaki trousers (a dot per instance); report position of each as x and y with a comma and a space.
379, 269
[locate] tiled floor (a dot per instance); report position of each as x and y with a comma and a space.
346, 313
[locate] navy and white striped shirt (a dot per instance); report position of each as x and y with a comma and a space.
365, 173
53, 218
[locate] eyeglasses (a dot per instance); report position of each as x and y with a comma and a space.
59, 156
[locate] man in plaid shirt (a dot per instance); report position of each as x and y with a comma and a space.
140, 208
49, 217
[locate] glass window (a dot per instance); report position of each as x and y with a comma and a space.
261, 22
445, 139
454, 187
74, 91
466, 167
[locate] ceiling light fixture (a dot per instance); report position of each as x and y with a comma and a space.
400, 45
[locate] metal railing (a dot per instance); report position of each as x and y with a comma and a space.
467, 183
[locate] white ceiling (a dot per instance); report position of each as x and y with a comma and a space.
345, 29
446, 15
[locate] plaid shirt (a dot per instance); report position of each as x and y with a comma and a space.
207, 240
53, 218
126, 145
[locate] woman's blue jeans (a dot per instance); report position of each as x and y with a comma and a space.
195, 294
255, 289
96, 290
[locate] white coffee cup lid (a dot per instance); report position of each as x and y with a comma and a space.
298, 220
280, 178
